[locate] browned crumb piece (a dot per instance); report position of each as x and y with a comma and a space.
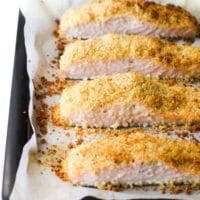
193, 128
79, 141
39, 135
39, 162
54, 61
154, 188
196, 186
70, 145
175, 189
56, 31
67, 134
170, 82
110, 187
79, 131
61, 45
162, 189
187, 189
43, 141
42, 117
61, 174
144, 189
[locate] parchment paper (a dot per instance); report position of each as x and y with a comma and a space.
33, 182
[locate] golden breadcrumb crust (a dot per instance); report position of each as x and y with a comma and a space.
166, 16
118, 47
122, 150
124, 89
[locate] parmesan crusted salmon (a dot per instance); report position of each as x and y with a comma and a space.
113, 53
133, 158
128, 17
126, 100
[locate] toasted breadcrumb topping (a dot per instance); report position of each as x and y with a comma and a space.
111, 47
132, 148
166, 16
124, 89
55, 157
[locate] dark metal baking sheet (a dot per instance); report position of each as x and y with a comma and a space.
19, 129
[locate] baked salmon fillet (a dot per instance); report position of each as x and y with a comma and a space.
128, 99
128, 17
113, 53
133, 159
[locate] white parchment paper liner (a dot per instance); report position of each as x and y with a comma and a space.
32, 183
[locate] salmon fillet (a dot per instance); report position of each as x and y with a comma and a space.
113, 53
128, 17
126, 100
136, 159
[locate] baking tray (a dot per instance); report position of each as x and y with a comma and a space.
19, 129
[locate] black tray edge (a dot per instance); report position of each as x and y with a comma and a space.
18, 123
